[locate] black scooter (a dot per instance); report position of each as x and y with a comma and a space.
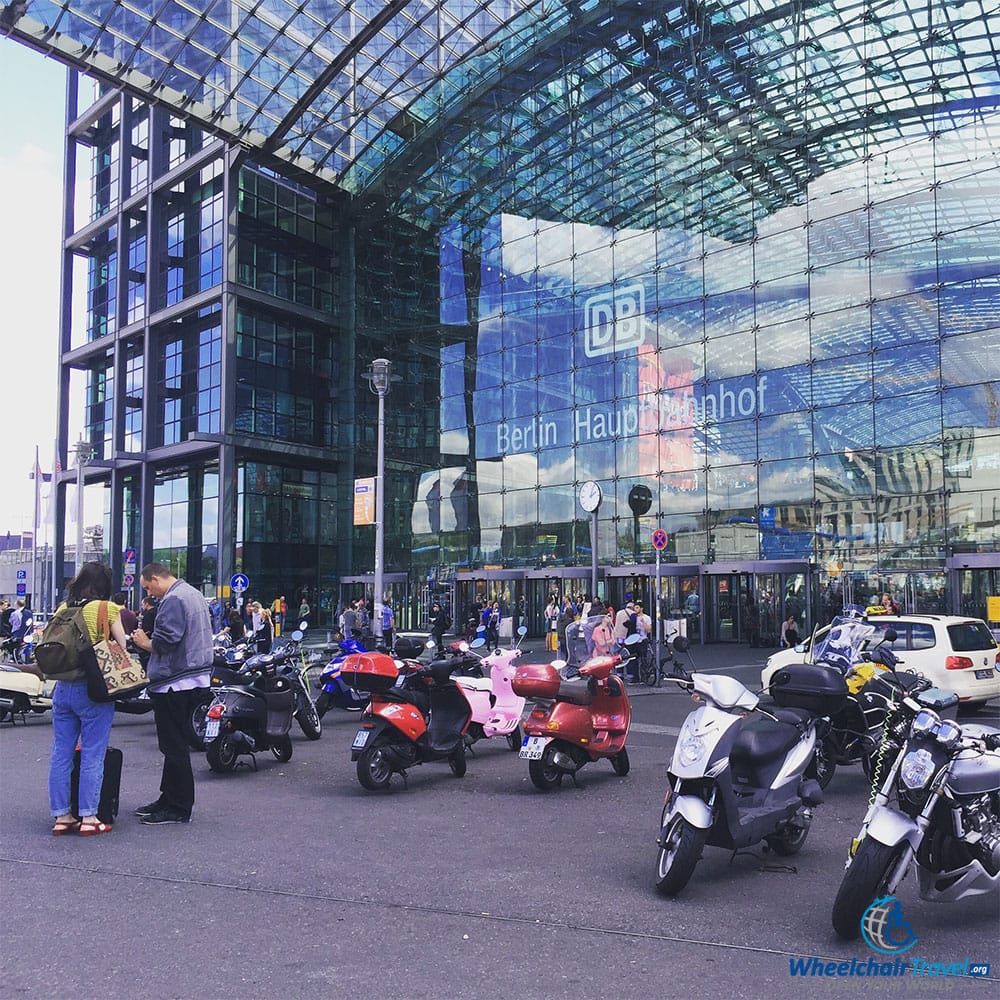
253, 709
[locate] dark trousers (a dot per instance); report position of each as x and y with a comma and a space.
172, 712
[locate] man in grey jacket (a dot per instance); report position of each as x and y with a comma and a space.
180, 665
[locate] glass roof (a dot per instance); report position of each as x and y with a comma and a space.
578, 110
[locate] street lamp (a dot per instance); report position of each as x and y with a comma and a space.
83, 455
379, 374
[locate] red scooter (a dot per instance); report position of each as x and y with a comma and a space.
573, 721
415, 716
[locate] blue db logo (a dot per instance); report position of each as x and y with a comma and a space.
614, 321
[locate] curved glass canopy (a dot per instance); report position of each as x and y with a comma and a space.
573, 110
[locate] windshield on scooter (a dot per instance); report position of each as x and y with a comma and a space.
841, 646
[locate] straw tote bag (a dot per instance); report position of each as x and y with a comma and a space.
121, 674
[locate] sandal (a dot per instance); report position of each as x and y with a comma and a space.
95, 827
65, 826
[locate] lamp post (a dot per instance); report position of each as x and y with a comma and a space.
379, 375
83, 453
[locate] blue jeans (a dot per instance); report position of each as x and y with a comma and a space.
77, 719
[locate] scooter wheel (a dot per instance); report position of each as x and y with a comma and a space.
457, 761
222, 754
680, 849
543, 773
515, 738
620, 763
282, 750
374, 770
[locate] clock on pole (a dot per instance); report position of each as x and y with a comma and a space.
590, 496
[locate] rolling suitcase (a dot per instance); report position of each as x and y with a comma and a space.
107, 808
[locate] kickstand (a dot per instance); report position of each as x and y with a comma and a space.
402, 774
576, 784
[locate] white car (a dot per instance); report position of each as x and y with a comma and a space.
953, 652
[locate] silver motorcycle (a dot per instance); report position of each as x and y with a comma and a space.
938, 809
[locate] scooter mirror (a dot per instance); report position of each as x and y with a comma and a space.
634, 639
891, 635
464, 647
522, 630
297, 636
477, 643
303, 625
680, 644
430, 644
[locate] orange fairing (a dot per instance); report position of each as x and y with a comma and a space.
600, 667
405, 717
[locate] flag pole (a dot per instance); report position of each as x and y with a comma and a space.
37, 475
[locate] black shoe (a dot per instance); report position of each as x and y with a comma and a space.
148, 810
163, 816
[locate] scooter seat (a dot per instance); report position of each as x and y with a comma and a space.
763, 740
576, 692
795, 716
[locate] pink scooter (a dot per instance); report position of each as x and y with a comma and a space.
496, 710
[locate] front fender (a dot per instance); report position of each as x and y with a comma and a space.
695, 810
891, 828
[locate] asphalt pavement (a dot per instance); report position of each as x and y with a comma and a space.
293, 881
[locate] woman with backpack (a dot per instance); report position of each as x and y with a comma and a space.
76, 719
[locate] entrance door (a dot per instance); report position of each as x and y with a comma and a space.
731, 612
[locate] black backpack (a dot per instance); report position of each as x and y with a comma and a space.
59, 654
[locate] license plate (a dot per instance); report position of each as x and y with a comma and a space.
533, 747
984, 675
211, 729
360, 740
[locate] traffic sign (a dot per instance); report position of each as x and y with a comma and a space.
239, 582
22, 574
22, 590
659, 539
127, 580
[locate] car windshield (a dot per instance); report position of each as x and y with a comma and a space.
967, 637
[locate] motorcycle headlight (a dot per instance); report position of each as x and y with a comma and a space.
690, 748
917, 769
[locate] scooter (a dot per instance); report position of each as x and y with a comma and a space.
736, 778
254, 706
573, 722
335, 692
414, 717
496, 709
22, 690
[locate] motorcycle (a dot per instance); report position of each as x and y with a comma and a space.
417, 714
736, 778
937, 809
865, 730
573, 721
496, 709
335, 692
254, 704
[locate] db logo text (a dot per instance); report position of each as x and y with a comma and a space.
614, 321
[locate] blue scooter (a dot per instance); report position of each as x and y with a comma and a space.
335, 692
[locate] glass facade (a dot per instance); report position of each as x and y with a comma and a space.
745, 256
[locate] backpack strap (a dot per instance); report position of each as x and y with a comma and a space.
103, 630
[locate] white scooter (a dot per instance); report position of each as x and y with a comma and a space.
738, 778
22, 690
